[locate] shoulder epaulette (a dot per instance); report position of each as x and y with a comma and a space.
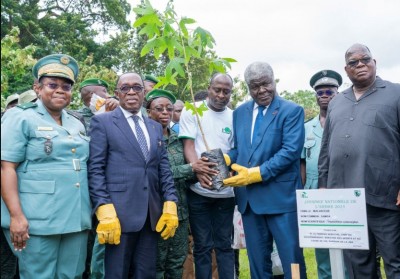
27, 105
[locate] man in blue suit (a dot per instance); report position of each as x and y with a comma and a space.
130, 179
268, 140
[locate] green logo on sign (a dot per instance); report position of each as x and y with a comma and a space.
357, 193
304, 195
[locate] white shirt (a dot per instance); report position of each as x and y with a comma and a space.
128, 115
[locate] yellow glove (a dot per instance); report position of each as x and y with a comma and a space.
168, 221
227, 160
109, 228
244, 177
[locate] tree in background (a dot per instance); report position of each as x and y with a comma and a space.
16, 65
304, 98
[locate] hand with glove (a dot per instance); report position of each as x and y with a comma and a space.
245, 176
109, 228
168, 221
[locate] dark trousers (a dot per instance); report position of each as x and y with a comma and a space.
8, 260
134, 257
211, 223
384, 233
260, 231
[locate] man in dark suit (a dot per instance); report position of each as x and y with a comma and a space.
130, 179
267, 157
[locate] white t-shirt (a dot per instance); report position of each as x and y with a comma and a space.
218, 131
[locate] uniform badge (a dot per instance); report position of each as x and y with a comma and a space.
48, 146
64, 60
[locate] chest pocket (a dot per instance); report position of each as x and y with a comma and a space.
46, 134
308, 145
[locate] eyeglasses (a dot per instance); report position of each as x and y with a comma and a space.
53, 86
328, 93
219, 90
161, 109
354, 63
125, 89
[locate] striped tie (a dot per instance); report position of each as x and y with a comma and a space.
140, 137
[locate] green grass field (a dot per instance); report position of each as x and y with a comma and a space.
309, 258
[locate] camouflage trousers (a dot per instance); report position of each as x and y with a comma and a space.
172, 253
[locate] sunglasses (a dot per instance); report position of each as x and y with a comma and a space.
354, 63
54, 86
328, 93
161, 109
125, 89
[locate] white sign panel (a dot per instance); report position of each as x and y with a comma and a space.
332, 218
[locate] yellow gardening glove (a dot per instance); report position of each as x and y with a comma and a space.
244, 177
227, 160
109, 228
168, 221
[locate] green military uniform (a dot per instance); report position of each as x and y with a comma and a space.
52, 185
172, 252
87, 115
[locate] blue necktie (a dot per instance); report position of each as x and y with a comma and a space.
258, 122
140, 137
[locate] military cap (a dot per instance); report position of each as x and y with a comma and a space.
326, 78
150, 78
27, 96
56, 65
93, 81
157, 93
12, 98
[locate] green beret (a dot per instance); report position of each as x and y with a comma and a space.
27, 96
56, 65
12, 98
93, 81
157, 93
150, 78
326, 78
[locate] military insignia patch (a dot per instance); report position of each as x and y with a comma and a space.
64, 60
48, 146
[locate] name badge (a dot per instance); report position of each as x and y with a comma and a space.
41, 128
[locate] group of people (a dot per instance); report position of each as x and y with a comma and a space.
133, 178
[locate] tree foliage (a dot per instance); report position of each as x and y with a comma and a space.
304, 98
16, 64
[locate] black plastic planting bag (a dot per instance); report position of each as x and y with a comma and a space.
216, 156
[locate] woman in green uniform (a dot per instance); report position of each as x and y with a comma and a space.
45, 206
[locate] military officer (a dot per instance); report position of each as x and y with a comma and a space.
87, 88
172, 252
325, 83
45, 205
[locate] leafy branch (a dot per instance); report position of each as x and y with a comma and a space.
169, 35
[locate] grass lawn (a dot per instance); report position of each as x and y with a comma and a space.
309, 258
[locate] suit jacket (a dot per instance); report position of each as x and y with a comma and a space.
276, 151
119, 173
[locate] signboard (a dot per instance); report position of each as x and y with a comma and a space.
332, 218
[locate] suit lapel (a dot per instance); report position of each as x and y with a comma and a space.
122, 123
247, 127
269, 116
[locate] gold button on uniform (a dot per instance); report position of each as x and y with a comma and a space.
73, 150
77, 185
70, 137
